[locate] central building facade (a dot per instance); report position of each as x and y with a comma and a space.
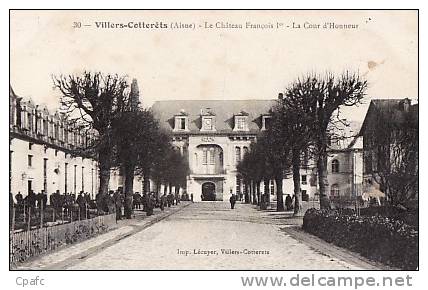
214, 136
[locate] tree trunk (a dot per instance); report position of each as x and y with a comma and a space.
104, 175
322, 179
146, 182
264, 201
247, 192
129, 190
258, 192
253, 192
296, 182
279, 194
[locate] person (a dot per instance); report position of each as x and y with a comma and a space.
170, 199
162, 202
232, 200
137, 200
191, 197
31, 199
81, 202
19, 201
150, 204
288, 202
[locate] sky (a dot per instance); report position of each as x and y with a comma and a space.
215, 63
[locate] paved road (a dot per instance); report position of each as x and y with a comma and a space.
209, 235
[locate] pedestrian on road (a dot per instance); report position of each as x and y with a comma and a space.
162, 202
232, 200
288, 202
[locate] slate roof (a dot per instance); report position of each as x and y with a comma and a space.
391, 111
224, 111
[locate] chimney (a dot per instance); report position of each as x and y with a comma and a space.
280, 96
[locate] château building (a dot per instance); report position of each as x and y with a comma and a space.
43, 151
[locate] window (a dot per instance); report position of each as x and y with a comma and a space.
45, 127
30, 160
245, 150
65, 177
266, 120
305, 196
204, 156
238, 154
240, 123
334, 190
212, 155
56, 152
45, 174
272, 187
182, 124
335, 166
30, 121
238, 184
56, 130
30, 146
304, 179
83, 178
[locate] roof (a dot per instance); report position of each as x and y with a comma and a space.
224, 111
391, 110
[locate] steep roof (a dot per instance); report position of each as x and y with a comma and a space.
391, 110
224, 111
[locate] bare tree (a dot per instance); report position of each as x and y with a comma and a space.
94, 100
327, 94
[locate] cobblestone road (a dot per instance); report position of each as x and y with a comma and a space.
201, 235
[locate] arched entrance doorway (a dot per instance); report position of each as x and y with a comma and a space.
208, 191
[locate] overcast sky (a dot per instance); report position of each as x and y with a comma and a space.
215, 63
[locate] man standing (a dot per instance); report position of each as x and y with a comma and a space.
232, 200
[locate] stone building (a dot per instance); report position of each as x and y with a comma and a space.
43, 151
214, 135
385, 120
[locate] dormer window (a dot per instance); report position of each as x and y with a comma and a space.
241, 123
208, 120
181, 121
266, 121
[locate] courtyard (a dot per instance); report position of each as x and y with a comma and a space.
208, 236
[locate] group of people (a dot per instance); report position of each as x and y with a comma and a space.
62, 204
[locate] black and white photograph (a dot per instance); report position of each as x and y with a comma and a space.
214, 140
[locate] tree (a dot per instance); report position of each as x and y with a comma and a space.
295, 128
326, 95
94, 100
133, 133
394, 146
275, 153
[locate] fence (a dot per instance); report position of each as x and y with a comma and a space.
27, 244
